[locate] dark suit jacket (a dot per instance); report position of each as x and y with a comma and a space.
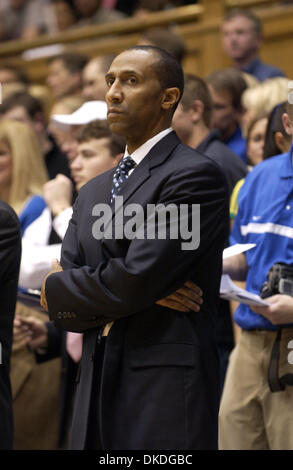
159, 385
10, 252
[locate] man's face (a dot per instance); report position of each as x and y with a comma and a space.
134, 96
182, 123
94, 85
224, 115
239, 38
93, 158
87, 7
69, 144
60, 80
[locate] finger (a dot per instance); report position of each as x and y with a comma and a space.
190, 294
194, 287
190, 304
173, 305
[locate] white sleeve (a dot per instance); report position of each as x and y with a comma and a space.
36, 253
61, 221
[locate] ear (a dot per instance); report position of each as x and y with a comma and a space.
170, 97
280, 141
197, 111
287, 123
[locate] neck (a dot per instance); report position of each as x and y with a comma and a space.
229, 132
200, 132
245, 61
4, 194
133, 141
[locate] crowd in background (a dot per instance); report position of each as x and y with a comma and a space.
54, 139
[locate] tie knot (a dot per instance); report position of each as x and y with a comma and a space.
127, 163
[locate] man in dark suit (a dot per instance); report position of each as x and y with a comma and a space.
10, 252
149, 375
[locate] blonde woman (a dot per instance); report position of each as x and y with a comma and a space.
22, 171
261, 99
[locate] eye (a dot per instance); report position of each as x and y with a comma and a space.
110, 81
132, 80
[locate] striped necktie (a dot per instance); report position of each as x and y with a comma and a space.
121, 175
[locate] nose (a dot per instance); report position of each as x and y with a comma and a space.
114, 93
75, 164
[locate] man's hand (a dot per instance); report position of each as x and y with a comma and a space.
33, 331
58, 194
188, 297
279, 312
56, 267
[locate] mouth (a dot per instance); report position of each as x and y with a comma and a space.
114, 112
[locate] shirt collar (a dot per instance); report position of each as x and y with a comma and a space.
252, 66
286, 170
139, 154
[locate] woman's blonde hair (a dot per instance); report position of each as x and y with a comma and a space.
29, 173
263, 97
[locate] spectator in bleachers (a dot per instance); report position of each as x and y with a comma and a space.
93, 78
144, 7
65, 74
12, 79
166, 39
191, 121
262, 98
64, 14
256, 135
71, 124
226, 87
25, 19
91, 12
266, 137
27, 109
276, 140
23, 172
66, 105
242, 38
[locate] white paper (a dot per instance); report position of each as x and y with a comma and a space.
236, 249
229, 291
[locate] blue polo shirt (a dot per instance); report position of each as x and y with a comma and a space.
237, 144
262, 71
265, 217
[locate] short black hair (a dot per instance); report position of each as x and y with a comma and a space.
72, 61
100, 129
31, 104
169, 71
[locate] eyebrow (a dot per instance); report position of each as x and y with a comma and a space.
124, 72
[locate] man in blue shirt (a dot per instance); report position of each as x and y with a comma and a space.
226, 87
252, 416
242, 37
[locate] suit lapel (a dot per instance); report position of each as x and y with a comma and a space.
156, 156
